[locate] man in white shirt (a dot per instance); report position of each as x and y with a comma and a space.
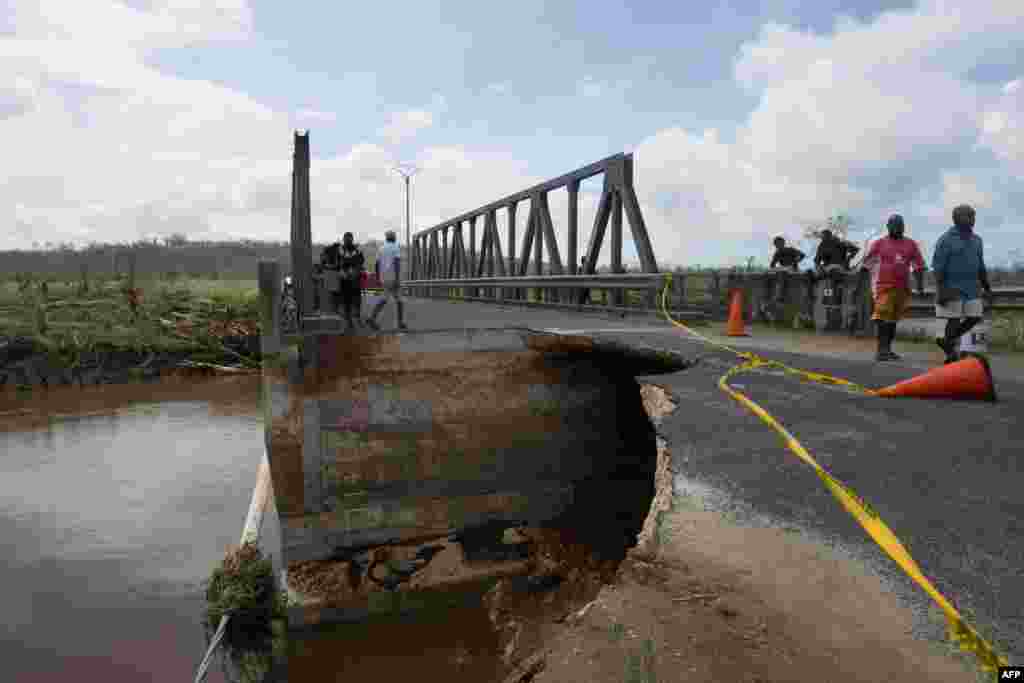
388, 269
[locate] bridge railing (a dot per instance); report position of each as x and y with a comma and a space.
446, 252
617, 292
704, 294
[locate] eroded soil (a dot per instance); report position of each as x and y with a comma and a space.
701, 600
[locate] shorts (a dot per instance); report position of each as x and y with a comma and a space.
391, 290
891, 304
958, 308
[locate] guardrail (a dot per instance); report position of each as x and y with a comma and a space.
562, 291
693, 295
703, 294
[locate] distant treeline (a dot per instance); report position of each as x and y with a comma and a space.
222, 260
173, 257
238, 260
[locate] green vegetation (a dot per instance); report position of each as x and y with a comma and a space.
544, 408
661, 529
243, 584
69, 319
640, 665
1008, 331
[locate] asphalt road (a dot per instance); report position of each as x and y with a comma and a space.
946, 476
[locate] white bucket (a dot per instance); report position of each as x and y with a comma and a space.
976, 340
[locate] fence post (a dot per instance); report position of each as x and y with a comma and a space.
678, 297
301, 228
269, 275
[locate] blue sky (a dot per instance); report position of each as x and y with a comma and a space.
747, 119
510, 74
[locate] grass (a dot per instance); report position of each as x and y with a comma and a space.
1007, 333
243, 583
172, 315
660, 527
640, 665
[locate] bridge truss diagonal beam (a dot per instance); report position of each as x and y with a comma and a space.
618, 202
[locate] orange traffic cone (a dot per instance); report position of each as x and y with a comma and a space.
970, 378
735, 328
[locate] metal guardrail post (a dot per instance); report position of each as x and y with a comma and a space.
269, 275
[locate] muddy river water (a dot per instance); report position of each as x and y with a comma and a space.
116, 502
111, 522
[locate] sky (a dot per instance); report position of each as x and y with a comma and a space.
143, 118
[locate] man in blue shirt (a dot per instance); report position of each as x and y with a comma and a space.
389, 268
959, 266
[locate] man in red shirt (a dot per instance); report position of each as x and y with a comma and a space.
889, 261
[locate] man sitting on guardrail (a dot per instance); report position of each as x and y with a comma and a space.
834, 253
889, 261
584, 294
389, 260
959, 266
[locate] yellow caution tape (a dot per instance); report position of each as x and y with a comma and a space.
960, 632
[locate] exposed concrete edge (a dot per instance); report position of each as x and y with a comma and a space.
258, 504
659, 403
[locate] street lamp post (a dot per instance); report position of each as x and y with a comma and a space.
407, 171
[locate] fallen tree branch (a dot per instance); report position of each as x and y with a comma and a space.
214, 366
697, 596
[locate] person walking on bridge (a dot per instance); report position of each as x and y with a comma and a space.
889, 261
959, 266
389, 261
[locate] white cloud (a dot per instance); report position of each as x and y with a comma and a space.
314, 115
862, 120
589, 87
961, 188
497, 88
163, 23
1003, 126
406, 124
870, 119
96, 139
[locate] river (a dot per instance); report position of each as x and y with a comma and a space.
111, 522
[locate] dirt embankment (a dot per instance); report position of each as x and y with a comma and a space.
700, 600
26, 363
